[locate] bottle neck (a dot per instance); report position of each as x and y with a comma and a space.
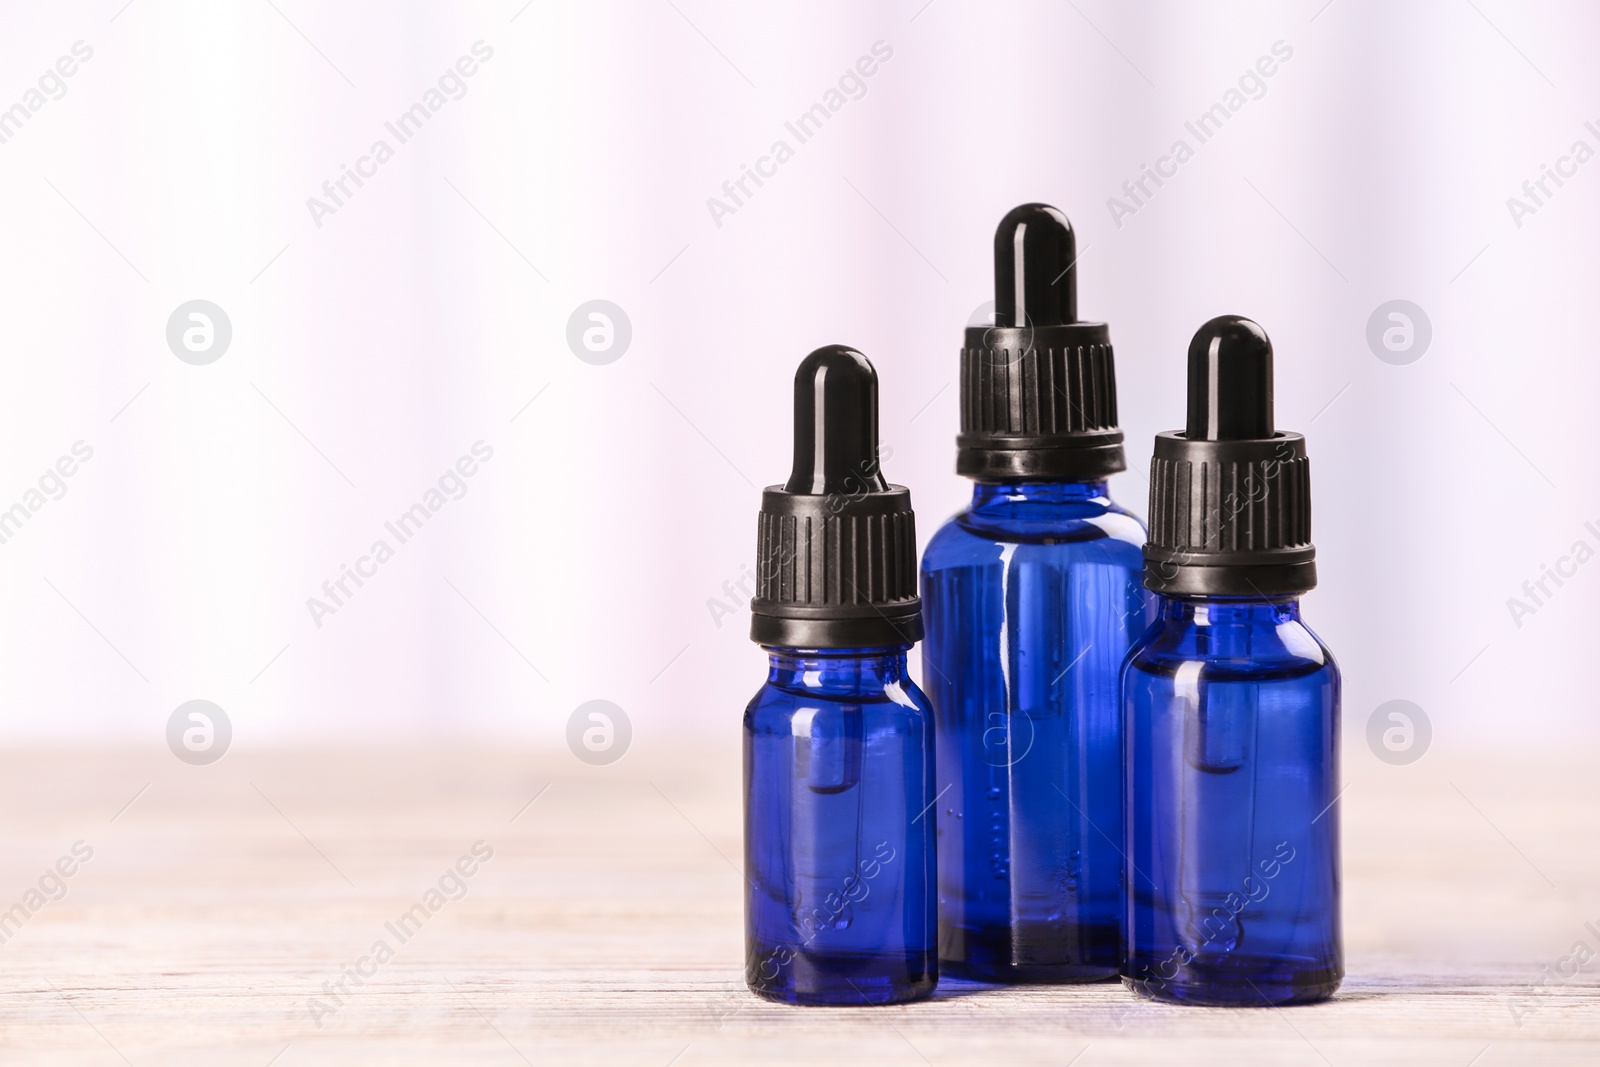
838, 671
994, 494
1230, 611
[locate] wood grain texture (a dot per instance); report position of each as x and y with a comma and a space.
606, 928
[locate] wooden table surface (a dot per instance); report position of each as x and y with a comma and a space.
222, 905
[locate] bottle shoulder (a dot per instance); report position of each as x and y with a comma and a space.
971, 537
778, 700
1287, 649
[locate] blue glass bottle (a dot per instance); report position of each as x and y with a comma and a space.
1233, 726
1231, 709
839, 842
1031, 598
838, 745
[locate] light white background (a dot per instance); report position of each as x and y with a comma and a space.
372, 351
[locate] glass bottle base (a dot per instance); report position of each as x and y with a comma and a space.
1243, 984
1048, 955
845, 980
1026, 974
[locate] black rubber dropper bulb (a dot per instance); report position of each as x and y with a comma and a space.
1230, 381
835, 424
1035, 272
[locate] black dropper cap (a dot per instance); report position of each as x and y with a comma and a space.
836, 546
1038, 388
1230, 498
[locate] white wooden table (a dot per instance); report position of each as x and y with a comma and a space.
606, 927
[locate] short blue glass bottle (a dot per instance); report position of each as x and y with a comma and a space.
839, 743
1231, 709
1233, 726
1032, 597
839, 844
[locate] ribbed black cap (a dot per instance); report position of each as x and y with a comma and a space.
1230, 498
836, 546
1038, 388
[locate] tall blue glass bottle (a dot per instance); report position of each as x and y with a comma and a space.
1231, 709
838, 745
1032, 596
